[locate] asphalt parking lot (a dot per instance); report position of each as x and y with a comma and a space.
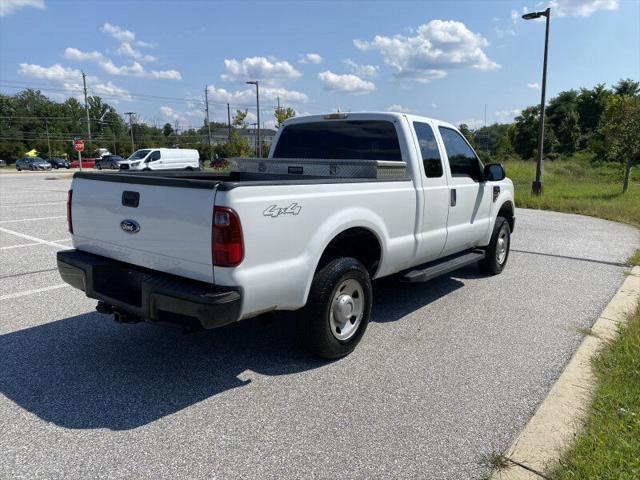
448, 371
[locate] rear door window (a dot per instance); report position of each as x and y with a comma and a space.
429, 150
340, 140
462, 159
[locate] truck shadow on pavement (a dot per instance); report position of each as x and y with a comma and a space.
87, 372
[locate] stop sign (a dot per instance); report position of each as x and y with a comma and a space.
78, 145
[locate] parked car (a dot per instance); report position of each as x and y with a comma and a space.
32, 163
109, 161
87, 162
341, 200
3, 163
59, 163
162, 159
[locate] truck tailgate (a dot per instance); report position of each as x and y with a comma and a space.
173, 225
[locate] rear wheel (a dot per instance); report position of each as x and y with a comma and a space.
338, 308
497, 252
99, 167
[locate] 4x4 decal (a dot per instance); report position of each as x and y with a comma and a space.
275, 211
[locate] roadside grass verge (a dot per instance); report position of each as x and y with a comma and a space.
609, 445
578, 186
635, 259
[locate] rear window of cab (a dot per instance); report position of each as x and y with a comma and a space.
340, 140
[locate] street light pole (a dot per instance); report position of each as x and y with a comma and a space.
536, 187
259, 145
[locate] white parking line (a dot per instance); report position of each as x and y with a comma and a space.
33, 239
35, 290
10, 247
32, 219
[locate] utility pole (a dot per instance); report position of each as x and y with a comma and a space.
257, 84
486, 134
133, 148
46, 124
206, 109
536, 187
229, 121
86, 109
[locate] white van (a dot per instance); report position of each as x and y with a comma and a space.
162, 159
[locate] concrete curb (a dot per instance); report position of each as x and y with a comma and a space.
556, 422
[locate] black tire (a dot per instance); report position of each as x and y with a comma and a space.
99, 167
19, 169
318, 335
494, 262
189, 169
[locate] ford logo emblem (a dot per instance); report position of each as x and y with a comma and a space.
130, 226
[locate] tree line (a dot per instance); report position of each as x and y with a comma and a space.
30, 120
604, 121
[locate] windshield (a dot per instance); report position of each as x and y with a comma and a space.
139, 154
340, 140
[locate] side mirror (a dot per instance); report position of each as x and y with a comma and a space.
494, 172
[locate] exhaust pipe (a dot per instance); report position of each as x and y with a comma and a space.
120, 316
125, 317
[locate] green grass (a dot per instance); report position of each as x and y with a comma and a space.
635, 259
578, 186
609, 445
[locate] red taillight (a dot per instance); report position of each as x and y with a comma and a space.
226, 238
69, 201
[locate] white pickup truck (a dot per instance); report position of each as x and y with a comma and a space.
341, 200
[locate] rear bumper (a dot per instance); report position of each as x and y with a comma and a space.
149, 295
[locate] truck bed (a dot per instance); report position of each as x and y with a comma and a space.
259, 171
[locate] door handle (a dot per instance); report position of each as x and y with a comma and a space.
453, 197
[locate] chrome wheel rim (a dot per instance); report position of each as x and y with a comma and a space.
502, 248
347, 309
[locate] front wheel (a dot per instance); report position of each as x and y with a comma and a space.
497, 252
338, 308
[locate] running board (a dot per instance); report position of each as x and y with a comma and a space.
435, 269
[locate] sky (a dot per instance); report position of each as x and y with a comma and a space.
449, 60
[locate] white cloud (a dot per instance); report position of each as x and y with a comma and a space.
515, 16
185, 118
127, 50
472, 123
346, 83
119, 33
507, 116
398, 108
259, 68
361, 70
111, 90
71, 80
534, 86
133, 70
437, 47
311, 58
248, 96
581, 8
434, 105
56, 73
9, 6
